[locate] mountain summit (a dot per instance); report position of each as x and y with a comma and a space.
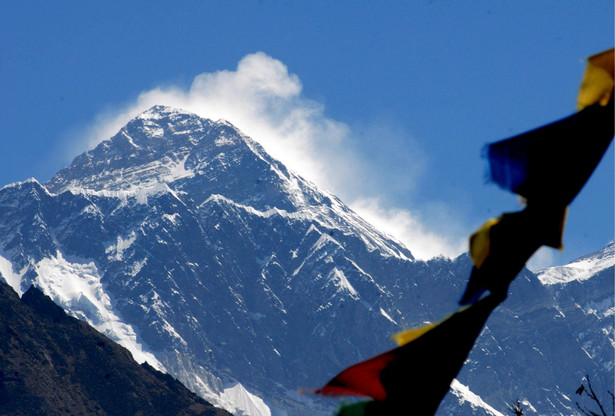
167, 149
180, 238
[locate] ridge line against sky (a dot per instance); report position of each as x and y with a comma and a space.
387, 105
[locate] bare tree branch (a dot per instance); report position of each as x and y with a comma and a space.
593, 395
585, 411
589, 390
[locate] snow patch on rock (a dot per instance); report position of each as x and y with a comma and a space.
464, 394
76, 287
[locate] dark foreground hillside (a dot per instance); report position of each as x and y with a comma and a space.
53, 364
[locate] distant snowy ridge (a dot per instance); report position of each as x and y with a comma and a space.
580, 269
585, 292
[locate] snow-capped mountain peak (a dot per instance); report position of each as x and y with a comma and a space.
580, 269
153, 147
184, 238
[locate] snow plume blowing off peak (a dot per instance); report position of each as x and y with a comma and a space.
265, 101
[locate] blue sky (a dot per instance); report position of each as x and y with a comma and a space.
385, 103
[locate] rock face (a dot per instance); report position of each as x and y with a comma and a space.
583, 291
53, 364
183, 240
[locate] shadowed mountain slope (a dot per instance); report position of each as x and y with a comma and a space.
53, 364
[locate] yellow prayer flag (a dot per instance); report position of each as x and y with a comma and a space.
409, 335
597, 84
480, 242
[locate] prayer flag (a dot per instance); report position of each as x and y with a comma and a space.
597, 84
414, 377
552, 163
501, 247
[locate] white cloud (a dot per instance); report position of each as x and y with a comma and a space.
265, 102
408, 227
542, 259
